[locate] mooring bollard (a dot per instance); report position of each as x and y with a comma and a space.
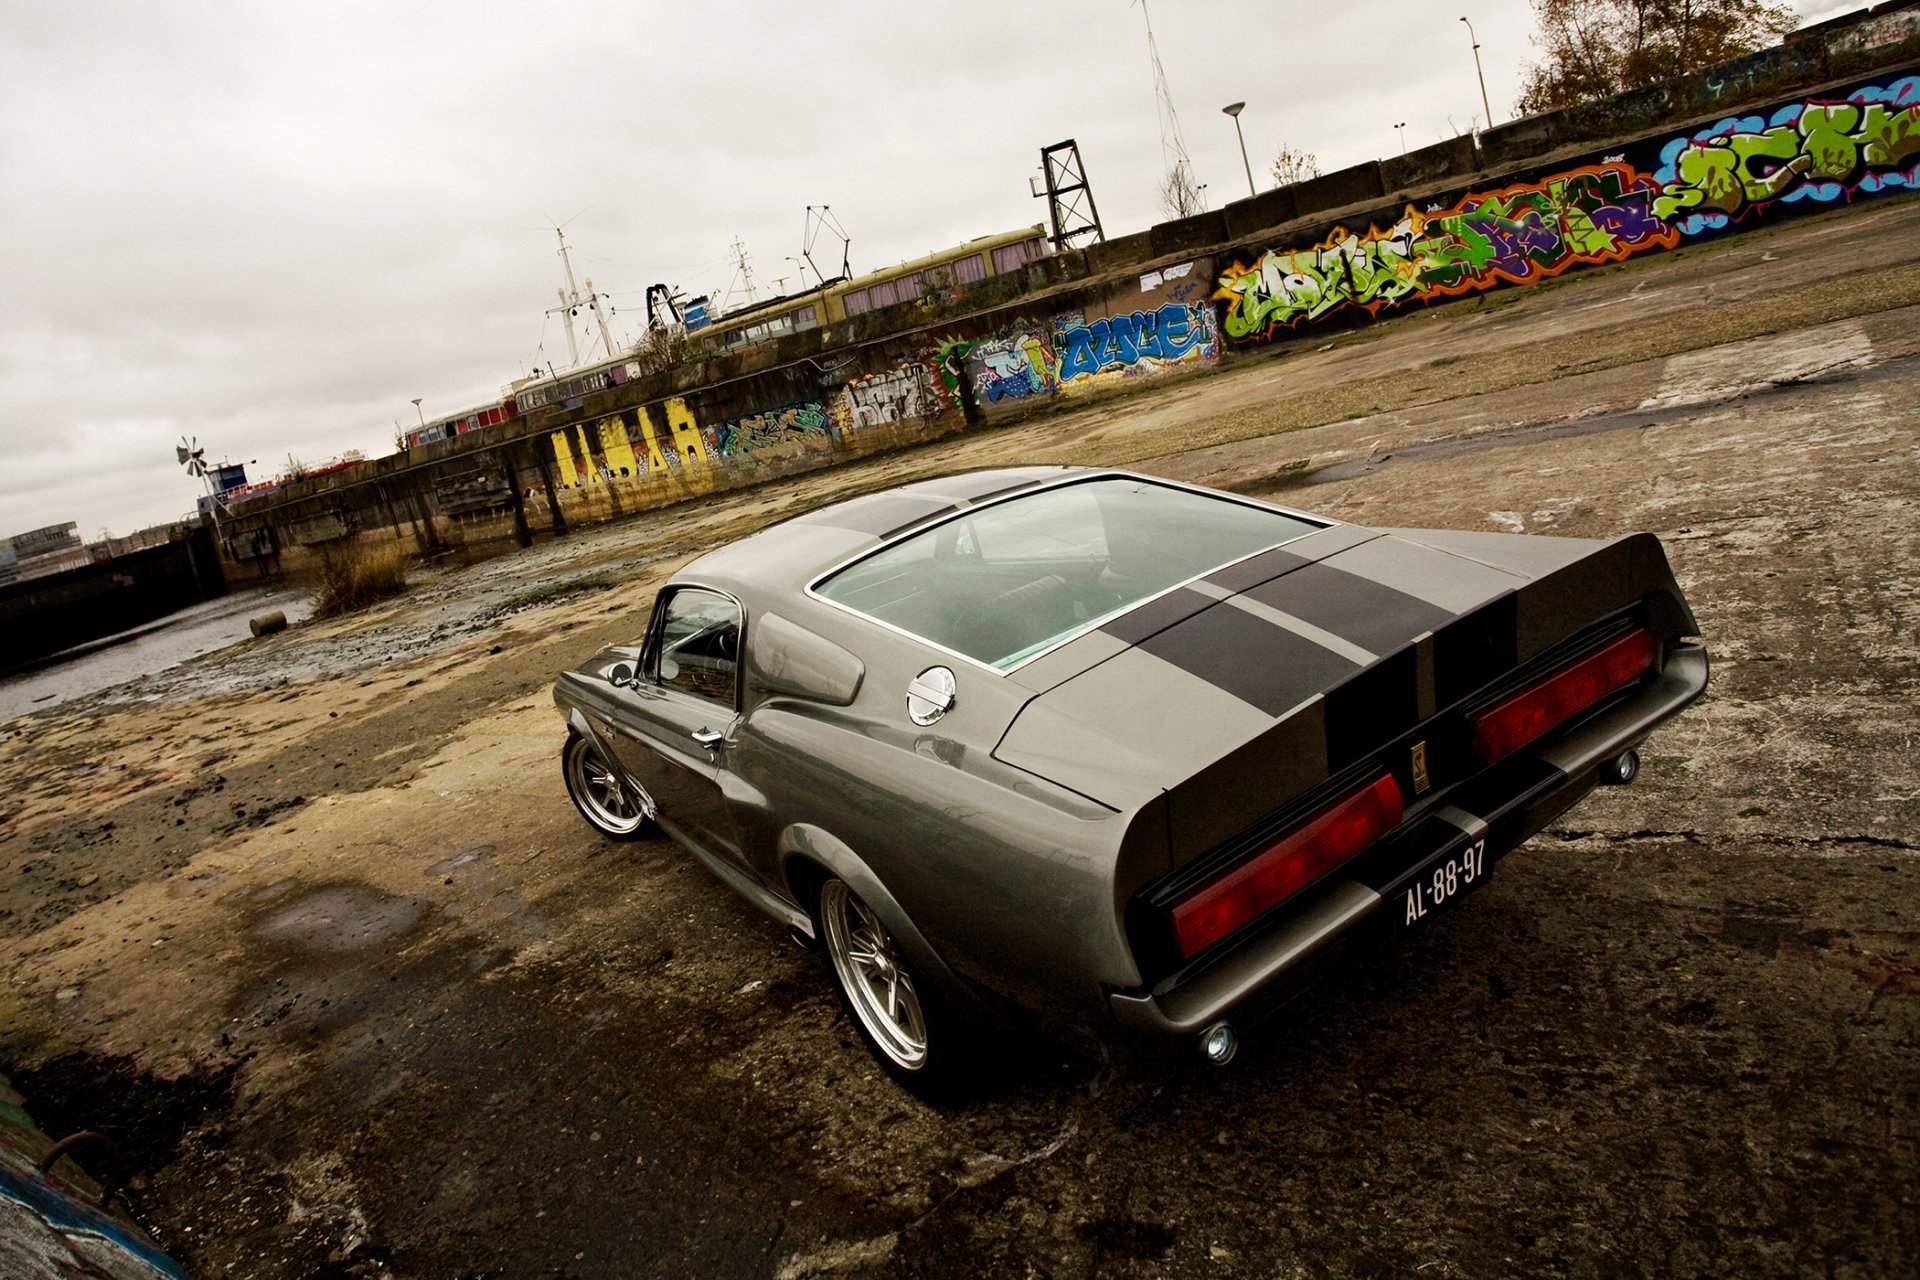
268, 623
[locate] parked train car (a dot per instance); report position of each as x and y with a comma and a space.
575, 383
952, 269
466, 420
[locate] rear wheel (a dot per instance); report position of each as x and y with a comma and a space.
611, 804
903, 1021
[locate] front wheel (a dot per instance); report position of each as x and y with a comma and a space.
612, 805
905, 1024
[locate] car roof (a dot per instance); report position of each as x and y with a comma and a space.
784, 557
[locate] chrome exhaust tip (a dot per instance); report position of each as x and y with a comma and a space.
1620, 770
1218, 1043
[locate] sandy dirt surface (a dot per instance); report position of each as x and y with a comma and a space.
311, 924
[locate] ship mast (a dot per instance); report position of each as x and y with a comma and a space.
571, 302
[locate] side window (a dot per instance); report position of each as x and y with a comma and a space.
696, 645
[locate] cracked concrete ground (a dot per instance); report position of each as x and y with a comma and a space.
313, 922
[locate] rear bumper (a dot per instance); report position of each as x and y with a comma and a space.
1356, 907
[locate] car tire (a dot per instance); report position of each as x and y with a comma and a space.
612, 804
914, 1035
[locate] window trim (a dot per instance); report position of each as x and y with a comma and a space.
811, 590
656, 624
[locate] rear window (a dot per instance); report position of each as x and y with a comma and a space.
1007, 582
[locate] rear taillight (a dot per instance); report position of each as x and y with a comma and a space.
1519, 718
1291, 862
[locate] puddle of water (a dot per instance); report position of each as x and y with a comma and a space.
146, 651
340, 919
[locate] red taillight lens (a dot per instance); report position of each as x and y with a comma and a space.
1518, 719
1292, 862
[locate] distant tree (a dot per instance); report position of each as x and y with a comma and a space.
1179, 196
1596, 48
1292, 166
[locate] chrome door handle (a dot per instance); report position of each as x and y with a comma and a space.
709, 738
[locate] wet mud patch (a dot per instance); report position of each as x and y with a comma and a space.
459, 1105
460, 859
340, 918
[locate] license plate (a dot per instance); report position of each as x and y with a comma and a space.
1444, 879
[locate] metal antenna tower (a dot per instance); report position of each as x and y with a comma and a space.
741, 269
1068, 190
1173, 147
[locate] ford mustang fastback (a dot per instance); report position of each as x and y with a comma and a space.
1113, 757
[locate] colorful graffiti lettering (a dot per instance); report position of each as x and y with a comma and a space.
1815, 150
1516, 235
614, 447
905, 392
1072, 352
1821, 151
803, 422
1014, 366
1174, 333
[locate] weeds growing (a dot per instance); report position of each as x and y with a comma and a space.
355, 577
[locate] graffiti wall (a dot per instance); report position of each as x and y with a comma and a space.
893, 396
1168, 325
671, 436
1798, 156
802, 423
660, 437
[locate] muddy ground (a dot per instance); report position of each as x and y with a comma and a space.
312, 925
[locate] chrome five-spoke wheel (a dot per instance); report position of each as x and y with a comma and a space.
613, 805
879, 987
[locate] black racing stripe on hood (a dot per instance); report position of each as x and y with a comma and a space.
1377, 618
1156, 615
1250, 658
1255, 570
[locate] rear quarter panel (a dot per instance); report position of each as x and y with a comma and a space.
1010, 878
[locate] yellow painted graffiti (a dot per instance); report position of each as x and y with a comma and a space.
688, 442
563, 459
650, 437
617, 447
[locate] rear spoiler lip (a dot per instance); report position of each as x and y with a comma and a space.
1255, 976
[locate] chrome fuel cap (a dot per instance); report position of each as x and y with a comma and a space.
930, 695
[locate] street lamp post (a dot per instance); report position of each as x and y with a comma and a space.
418, 414
1481, 75
1234, 109
1401, 129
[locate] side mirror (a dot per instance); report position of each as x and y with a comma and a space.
623, 676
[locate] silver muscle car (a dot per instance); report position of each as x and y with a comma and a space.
1103, 754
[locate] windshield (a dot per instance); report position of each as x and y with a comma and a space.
1015, 578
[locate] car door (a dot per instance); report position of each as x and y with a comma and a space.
682, 712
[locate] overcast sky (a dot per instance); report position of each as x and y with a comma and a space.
270, 226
